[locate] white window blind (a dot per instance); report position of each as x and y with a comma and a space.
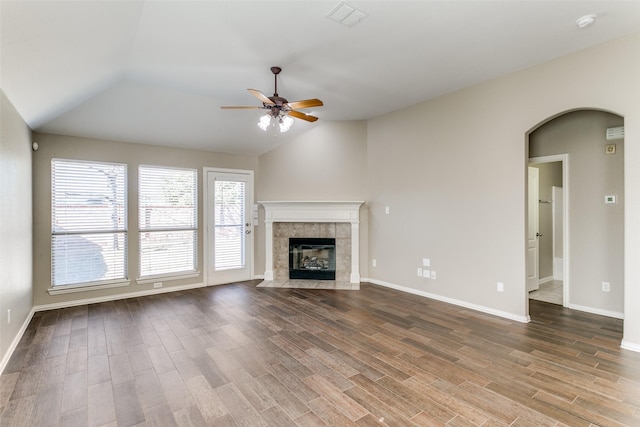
229, 224
88, 222
168, 220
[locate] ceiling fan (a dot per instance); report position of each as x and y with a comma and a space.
279, 109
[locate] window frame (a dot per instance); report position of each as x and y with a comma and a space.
123, 231
168, 275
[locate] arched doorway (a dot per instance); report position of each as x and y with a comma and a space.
596, 215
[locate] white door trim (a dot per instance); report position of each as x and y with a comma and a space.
206, 226
564, 158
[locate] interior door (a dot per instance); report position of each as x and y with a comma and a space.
533, 233
229, 227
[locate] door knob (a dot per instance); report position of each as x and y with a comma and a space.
538, 234
248, 231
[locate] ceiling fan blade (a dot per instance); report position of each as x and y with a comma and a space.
261, 96
303, 116
307, 103
240, 107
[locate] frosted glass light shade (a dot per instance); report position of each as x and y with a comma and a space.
264, 122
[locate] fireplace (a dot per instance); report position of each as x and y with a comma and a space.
284, 220
312, 258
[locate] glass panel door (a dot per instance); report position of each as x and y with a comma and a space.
229, 231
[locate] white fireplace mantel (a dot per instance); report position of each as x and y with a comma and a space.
330, 211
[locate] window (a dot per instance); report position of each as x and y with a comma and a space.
229, 224
168, 220
88, 222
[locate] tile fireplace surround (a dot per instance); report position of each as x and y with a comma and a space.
312, 219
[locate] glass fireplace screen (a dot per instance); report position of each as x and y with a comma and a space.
312, 258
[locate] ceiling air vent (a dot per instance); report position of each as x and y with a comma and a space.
346, 15
615, 133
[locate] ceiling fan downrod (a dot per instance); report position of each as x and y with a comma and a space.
275, 71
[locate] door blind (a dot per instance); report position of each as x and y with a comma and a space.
229, 224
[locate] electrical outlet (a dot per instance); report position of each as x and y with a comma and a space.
419, 271
157, 285
606, 287
500, 287
433, 275
426, 274
374, 263
386, 210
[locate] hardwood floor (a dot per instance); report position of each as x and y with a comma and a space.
237, 355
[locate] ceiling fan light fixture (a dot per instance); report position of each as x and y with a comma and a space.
264, 122
285, 123
280, 110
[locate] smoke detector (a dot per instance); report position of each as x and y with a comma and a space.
586, 21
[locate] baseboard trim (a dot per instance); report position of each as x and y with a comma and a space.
630, 346
545, 280
592, 310
460, 303
16, 341
67, 304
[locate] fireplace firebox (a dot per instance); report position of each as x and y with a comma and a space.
312, 258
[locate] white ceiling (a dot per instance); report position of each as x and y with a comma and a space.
157, 72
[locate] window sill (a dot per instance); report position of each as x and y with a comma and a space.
83, 287
160, 278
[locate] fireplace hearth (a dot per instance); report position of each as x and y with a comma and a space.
312, 258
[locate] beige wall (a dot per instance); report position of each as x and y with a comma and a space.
550, 176
596, 229
329, 162
453, 170
15, 225
55, 146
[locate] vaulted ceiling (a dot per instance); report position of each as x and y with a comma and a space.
157, 72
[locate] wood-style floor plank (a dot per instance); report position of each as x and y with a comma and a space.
238, 355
